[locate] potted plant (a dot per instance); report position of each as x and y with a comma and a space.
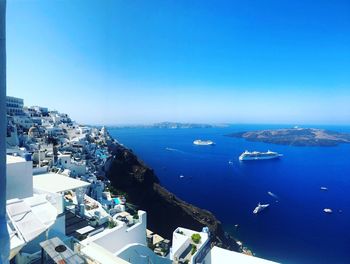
196, 238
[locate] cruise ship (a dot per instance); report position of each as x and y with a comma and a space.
203, 142
255, 155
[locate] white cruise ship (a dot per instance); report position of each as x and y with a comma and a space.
255, 155
203, 142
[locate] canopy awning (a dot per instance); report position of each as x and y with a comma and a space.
56, 183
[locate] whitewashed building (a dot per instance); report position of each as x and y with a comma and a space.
19, 177
14, 106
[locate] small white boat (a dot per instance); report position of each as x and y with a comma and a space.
328, 210
200, 142
324, 188
182, 176
260, 207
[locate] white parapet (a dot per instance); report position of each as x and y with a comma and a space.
116, 238
182, 241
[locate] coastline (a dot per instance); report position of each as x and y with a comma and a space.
130, 174
232, 183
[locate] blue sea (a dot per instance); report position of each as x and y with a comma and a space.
293, 230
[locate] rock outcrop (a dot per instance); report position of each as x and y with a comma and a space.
165, 212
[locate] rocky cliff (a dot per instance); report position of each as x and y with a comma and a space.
165, 212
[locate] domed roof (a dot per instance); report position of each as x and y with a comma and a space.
33, 131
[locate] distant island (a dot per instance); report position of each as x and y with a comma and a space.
172, 125
296, 136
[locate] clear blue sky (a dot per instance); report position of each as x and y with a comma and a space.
199, 61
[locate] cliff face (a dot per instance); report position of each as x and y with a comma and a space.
165, 212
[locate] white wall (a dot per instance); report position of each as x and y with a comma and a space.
118, 237
65, 161
78, 169
180, 243
56, 199
19, 179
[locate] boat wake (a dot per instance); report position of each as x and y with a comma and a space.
273, 195
190, 154
175, 150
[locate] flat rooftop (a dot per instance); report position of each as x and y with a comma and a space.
14, 159
56, 183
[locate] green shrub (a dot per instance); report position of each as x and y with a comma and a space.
111, 224
194, 249
196, 238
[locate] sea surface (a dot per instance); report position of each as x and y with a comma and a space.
294, 229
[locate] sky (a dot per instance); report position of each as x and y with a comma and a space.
127, 62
